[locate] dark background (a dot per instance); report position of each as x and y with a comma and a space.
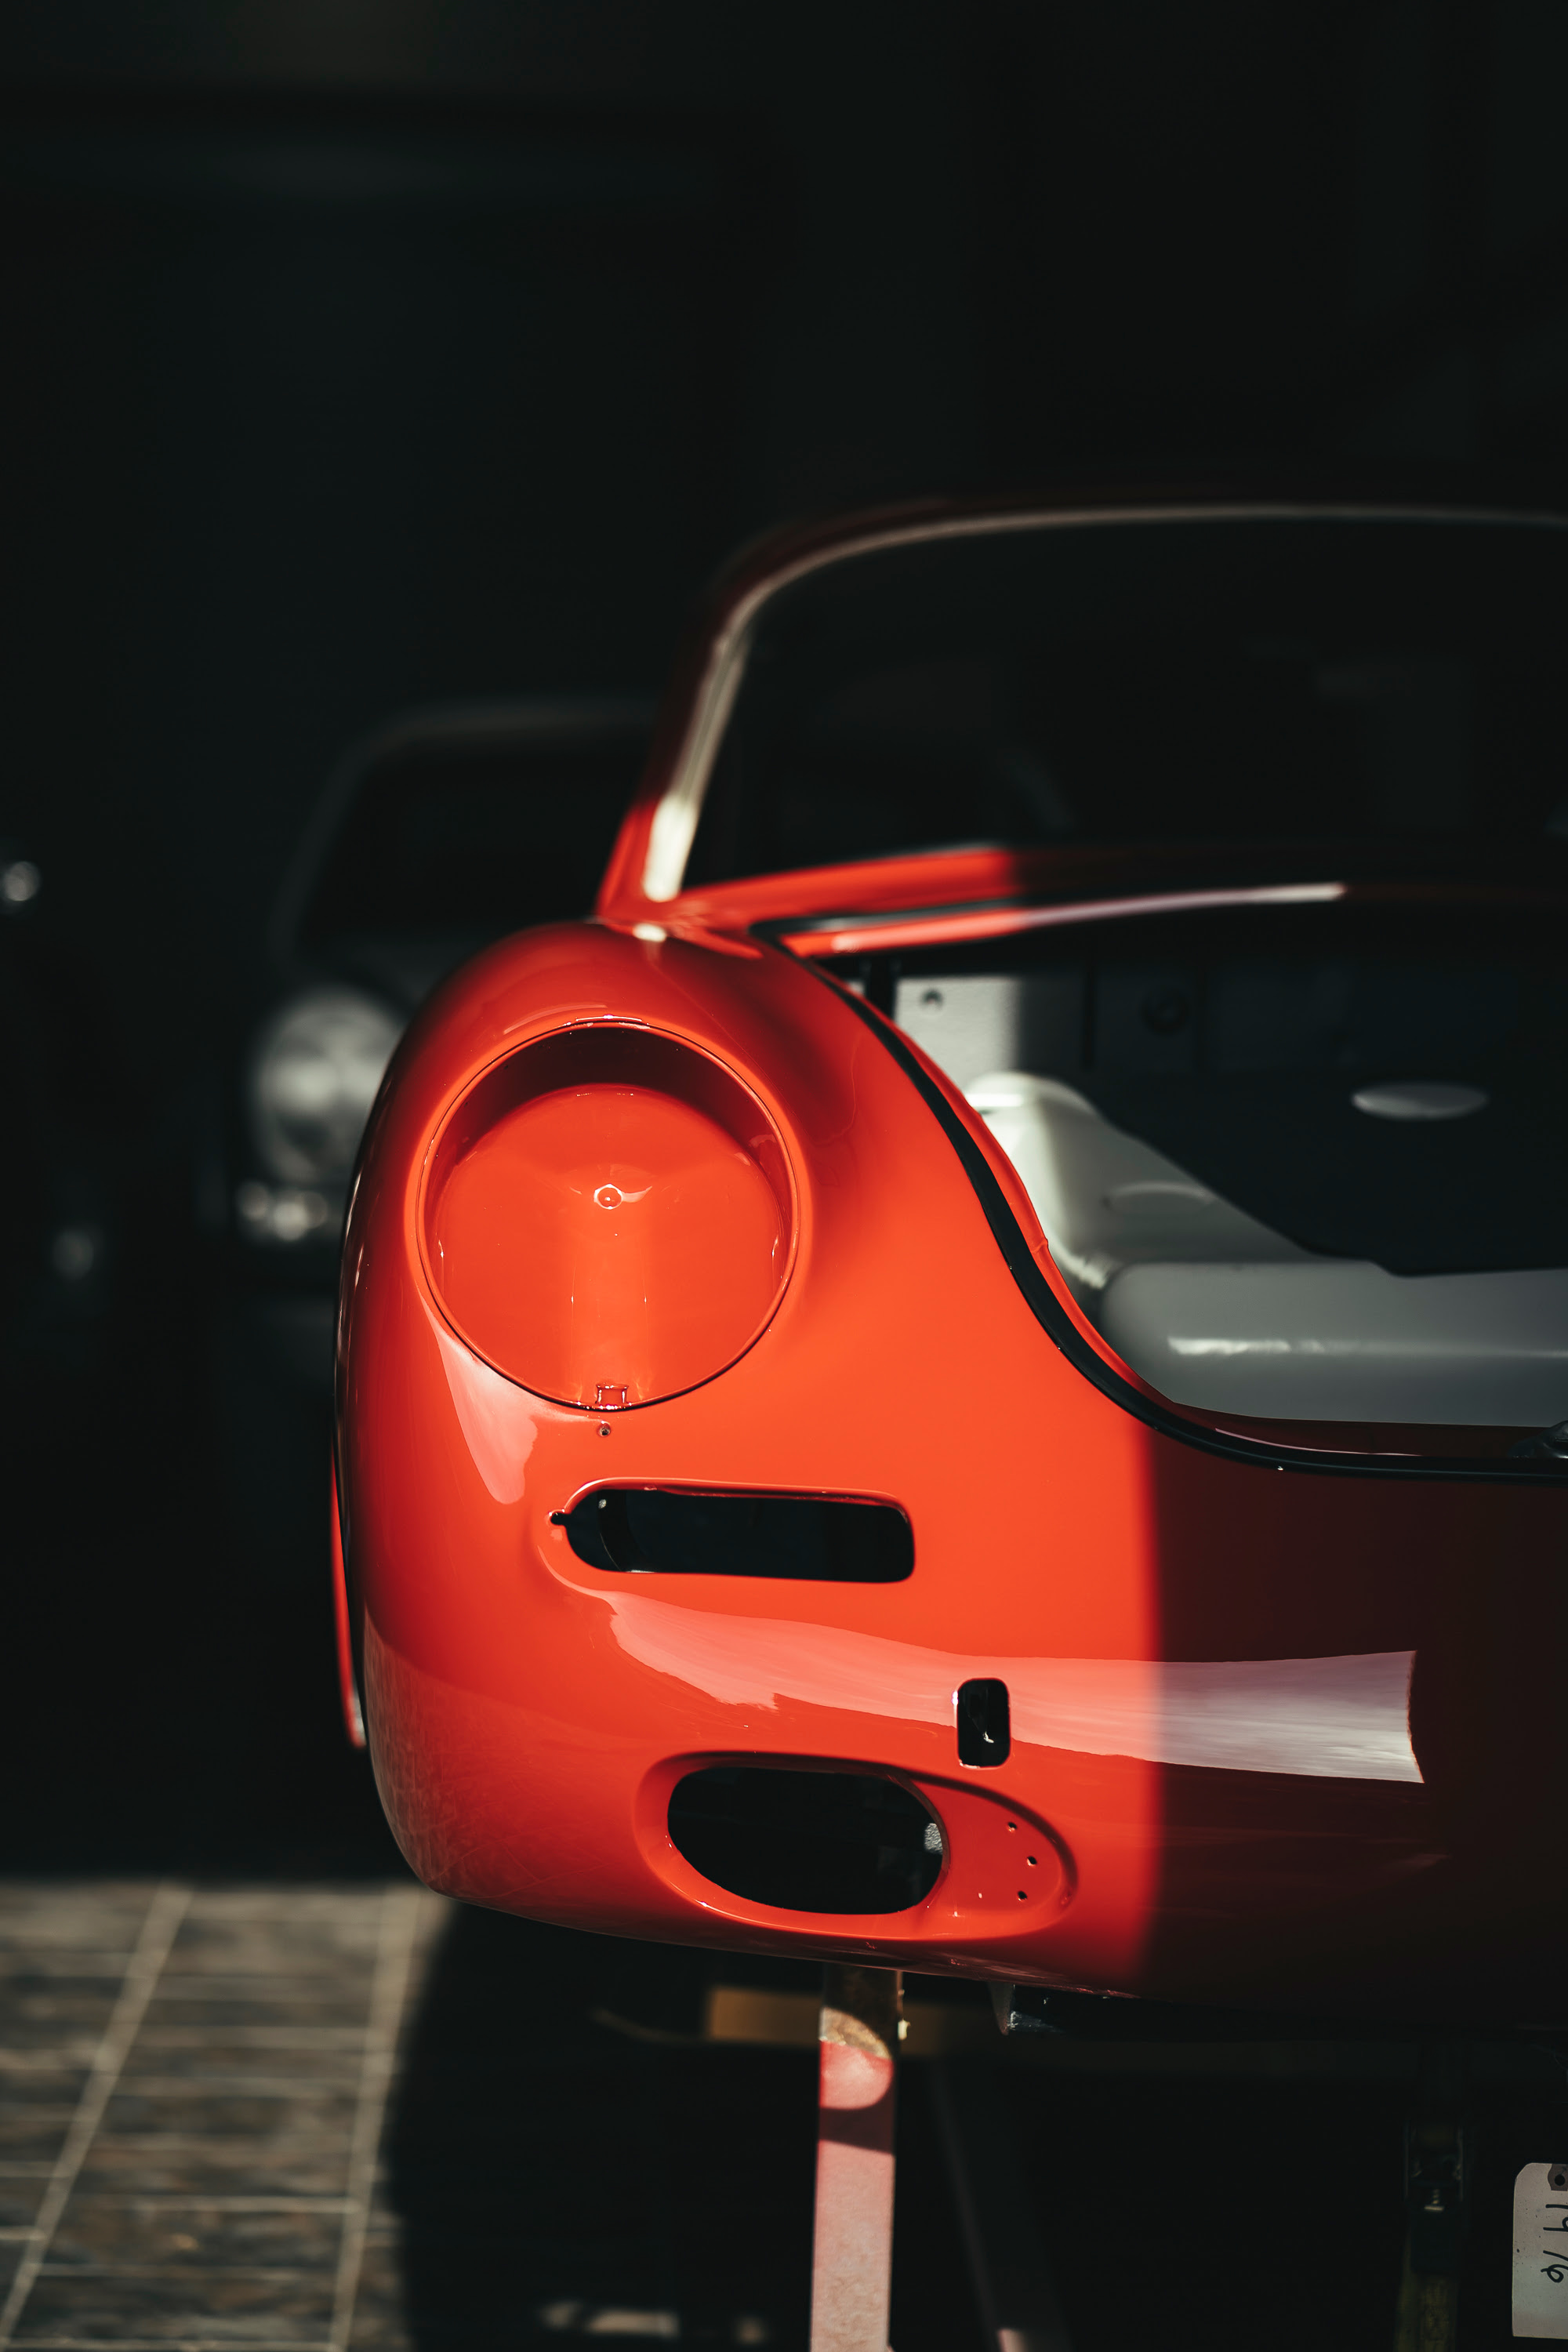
361, 355
367, 354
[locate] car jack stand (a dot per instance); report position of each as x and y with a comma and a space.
852, 2250
1435, 2185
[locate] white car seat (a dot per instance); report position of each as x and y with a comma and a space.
1216, 1310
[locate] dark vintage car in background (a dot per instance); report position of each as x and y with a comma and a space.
59, 1173
442, 831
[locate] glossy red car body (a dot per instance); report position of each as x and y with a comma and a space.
851, 1297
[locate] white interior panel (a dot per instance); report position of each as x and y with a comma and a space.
1217, 1311
993, 1021
1106, 1200
1327, 1340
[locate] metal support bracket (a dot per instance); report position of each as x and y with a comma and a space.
852, 2252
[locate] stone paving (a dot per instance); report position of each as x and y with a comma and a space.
192, 2086
358, 2118
354, 2117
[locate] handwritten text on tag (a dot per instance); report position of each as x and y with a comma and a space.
1541, 2251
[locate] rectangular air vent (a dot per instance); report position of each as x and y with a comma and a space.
663, 1531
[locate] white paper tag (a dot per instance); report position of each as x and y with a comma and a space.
1540, 2252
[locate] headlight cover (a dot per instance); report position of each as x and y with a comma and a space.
313, 1076
608, 1216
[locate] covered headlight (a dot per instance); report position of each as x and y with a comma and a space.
314, 1078
608, 1216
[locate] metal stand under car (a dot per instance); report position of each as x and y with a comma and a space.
859, 2029
852, 2245
861, 2026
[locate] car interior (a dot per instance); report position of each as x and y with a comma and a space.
1297, 1162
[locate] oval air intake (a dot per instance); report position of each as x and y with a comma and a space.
848, 1841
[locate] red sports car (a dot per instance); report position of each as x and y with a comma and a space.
972, 1374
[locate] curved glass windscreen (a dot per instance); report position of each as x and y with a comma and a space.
1235, 680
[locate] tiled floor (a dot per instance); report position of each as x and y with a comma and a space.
308, 2118
192, 2086
276, 2117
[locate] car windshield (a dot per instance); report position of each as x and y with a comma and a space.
1227, 679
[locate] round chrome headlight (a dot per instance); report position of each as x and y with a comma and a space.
314, 1078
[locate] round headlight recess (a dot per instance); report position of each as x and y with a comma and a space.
608, 1216
314, 1078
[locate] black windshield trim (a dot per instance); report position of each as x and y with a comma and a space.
1059, 1328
